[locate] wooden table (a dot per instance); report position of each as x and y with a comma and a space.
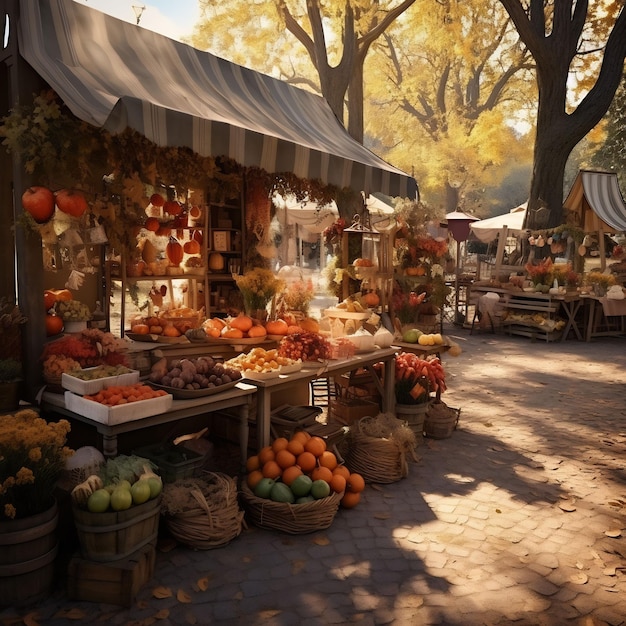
239, 397
311, 371
601, 309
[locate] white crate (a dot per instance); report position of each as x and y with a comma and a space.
87, 387
112, 415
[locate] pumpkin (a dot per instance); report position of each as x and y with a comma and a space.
216, 261
276, 327
258, 330
174, 252
371, 299
309, 324
243, 322
156, 330
57, 295
156, 199
171, 331
191, 247
140, 329
153, 224
197, 236
232, 333
211, 331
54, 325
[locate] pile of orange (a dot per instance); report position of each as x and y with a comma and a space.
286, 459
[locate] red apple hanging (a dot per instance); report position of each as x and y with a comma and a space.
156, 199
71, 202
39, 202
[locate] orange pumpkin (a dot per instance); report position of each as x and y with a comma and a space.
140, 329
191, 247
276, 327
156, 330
257, 331
49, 299
371, 299
54, 325
174, 252
171, 331
211, 331
242, 322
232, 333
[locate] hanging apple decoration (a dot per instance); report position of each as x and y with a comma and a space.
71, 202
174, 252
171, 207
156, 199
39, 202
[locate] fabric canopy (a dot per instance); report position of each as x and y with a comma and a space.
597, 201
114, 74
488, 229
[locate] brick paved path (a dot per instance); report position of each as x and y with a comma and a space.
503, 523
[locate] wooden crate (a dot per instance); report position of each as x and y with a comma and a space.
349, 411
117, 582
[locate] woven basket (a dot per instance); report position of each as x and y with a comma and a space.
295, 519
441, 420
211, 524
380, 459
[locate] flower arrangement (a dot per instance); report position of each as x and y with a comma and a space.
564, 274
540, 273
417, 378
297, 296
422, 250
599, 281
258, 287
407, 306
32, 456
333, 233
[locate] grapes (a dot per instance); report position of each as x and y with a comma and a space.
305, 346
73, 311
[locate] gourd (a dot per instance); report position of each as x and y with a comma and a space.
242, 322
174, 252
216, 261
191, 247
257, 331
371, 299
276, 327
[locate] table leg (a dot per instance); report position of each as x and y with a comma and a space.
263, 417
590, 321
244, 433
571, 310
109, 445
389, 397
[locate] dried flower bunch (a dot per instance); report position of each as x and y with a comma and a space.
541, 272
595, 277
297, 296
32, 456
258, 287
333, 233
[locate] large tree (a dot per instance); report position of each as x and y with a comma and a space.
335, 35
449, 83
567, 36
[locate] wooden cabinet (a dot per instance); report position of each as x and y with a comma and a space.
225, 254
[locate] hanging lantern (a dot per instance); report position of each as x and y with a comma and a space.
367, 240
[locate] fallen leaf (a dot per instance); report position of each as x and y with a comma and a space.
162, 592
615, 504
580, 578
142, 604
498, 511
568, 507
297, 566
321, 541
614, 533
203, 583
579, 565
382, 516
183, 597
162, 614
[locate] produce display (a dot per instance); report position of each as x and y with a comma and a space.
427, 374
170, 323
125, 394
305, 346
72, 311
260, 360
193, 374
299, 470
415, 335
123, 482
101, 371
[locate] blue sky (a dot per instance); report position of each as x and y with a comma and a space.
172, 18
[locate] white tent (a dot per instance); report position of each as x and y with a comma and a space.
488, 230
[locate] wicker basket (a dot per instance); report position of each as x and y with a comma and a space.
380, 459
295, 519
441, 420
213, 523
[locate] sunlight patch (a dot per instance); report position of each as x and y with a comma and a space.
459, 478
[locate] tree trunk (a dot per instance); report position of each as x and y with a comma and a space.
452, 198
355, 104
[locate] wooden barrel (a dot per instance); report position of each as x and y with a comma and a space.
112, 536
414, 415
28, 548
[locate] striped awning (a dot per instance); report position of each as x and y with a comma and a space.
114, 74
596, 199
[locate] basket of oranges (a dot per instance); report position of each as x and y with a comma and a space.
297, 485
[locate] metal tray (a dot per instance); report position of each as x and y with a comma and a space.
187, 394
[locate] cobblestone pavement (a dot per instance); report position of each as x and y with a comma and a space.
509, 521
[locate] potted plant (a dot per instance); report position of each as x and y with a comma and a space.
32, 455
598, 282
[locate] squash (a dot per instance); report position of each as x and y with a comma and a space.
54, 325
191, 247
174, 252
60, 295
232, 333
156, 330
309, 324
140, 329
258, 330
276, 327
371, 299
171, 331
243, 322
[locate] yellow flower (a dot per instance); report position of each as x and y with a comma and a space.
9, 511
34, 454
24, 476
